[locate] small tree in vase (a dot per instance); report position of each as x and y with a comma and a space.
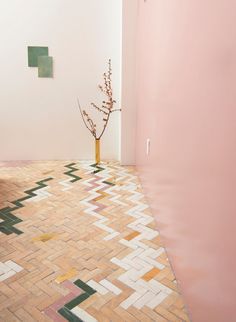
106, 109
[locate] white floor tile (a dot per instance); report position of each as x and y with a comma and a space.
130, 300
15, 267
144, 299
83, 315
96, 286
157, 300
110, 286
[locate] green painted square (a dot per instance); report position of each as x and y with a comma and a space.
45, 66
34, 53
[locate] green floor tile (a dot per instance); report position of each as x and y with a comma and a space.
84, 287
68, 315
71, 172
110, 183
79, 299
5, 230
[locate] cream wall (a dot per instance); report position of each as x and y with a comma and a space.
39, 118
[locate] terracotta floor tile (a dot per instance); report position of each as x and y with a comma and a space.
61, 230
152, 273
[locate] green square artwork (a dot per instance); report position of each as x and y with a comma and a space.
34, 53
45, 66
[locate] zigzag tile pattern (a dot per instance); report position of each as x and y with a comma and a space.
67, 305
85, 223
71, 173
9, 220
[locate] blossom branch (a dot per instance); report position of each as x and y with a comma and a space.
107, 107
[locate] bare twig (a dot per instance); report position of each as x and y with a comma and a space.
100, 109
82, 114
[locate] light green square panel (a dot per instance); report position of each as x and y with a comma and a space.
34, 53
45, 66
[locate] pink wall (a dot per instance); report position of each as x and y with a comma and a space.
187, 107
128, 96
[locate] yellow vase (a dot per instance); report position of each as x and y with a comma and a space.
97, 150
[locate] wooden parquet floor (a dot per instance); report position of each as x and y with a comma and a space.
78, 243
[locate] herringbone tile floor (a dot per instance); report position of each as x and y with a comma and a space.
78, 243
